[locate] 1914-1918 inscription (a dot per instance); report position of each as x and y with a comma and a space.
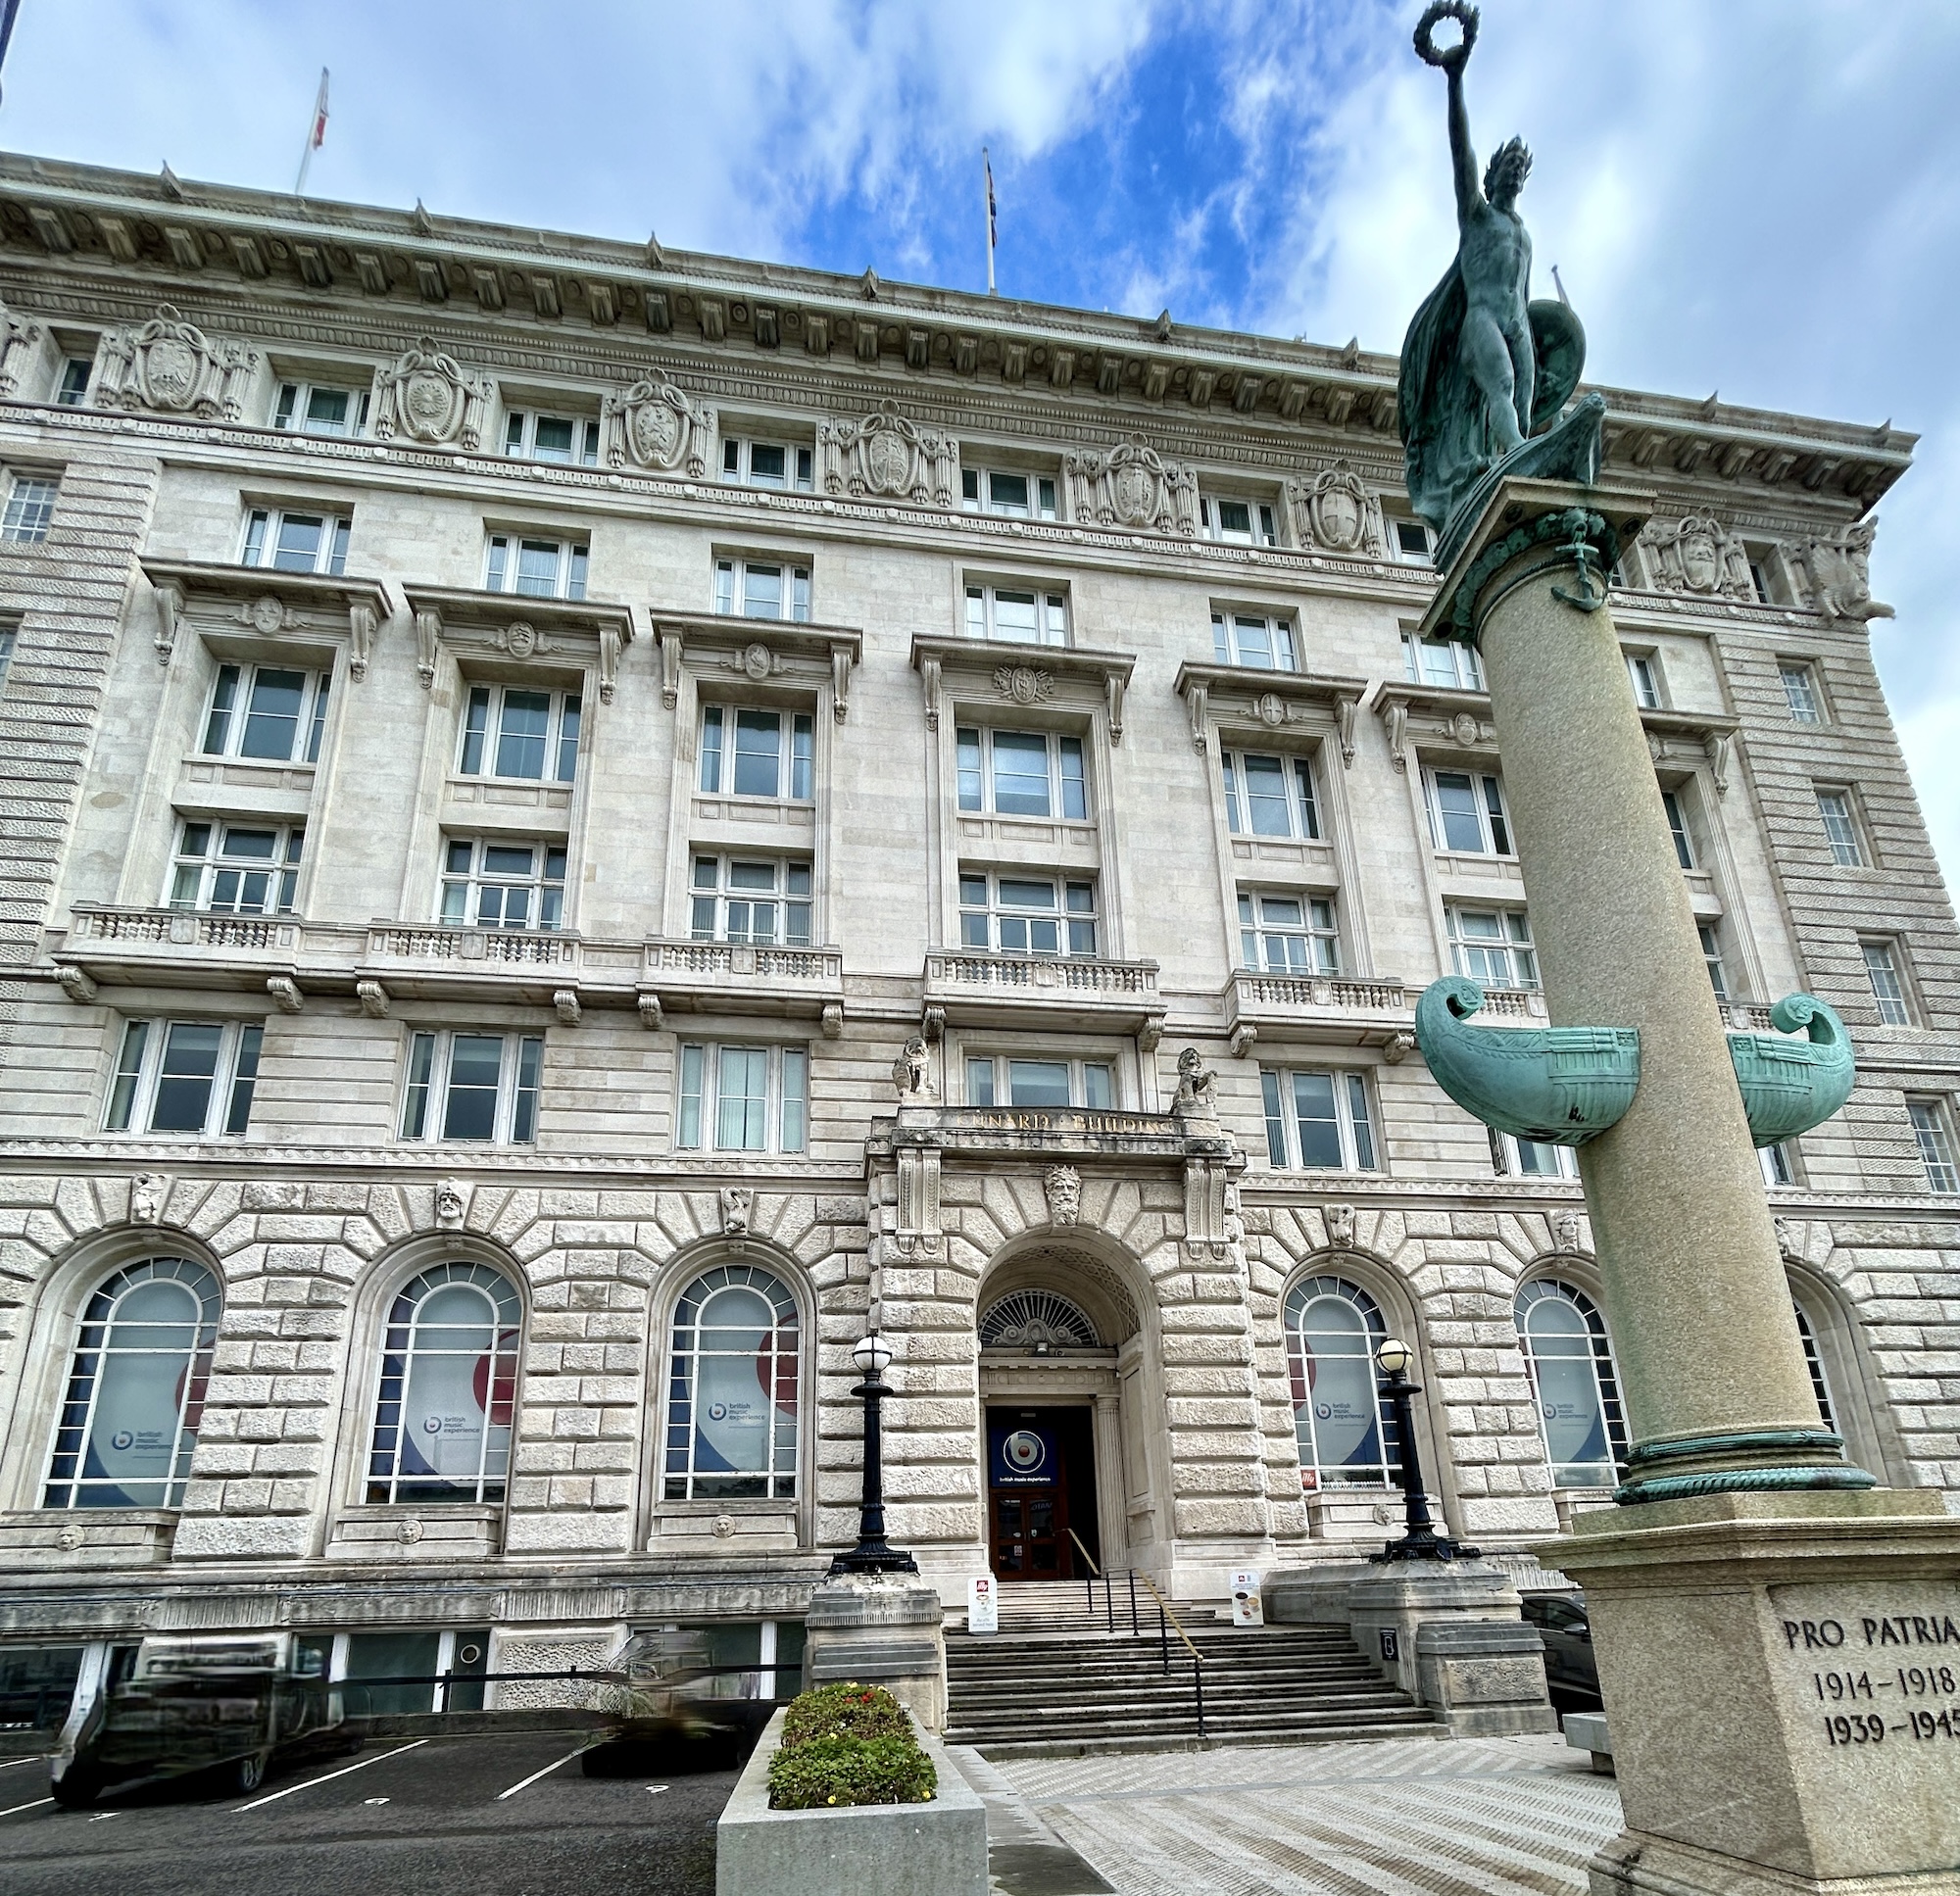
1880, 1678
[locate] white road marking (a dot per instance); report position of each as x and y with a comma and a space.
33, 1803
373, 1800
324, 1777
547, 1771
10, 1762
105, 1817
656, 1788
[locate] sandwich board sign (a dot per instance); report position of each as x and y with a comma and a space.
983, 1605
1247, 1610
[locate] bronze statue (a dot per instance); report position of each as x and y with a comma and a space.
1483, 368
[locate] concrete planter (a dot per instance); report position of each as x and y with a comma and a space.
857, 1850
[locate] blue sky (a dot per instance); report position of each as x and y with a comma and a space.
1760, 197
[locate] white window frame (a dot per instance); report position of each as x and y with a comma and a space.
977, 495
427, 1076
521, 438
1932, 1122
1261, 528
1488, 806
1802, 696
1520, 953
711, 904
738, 464
1679, 829
137, 1077
1643, 676
1317, 933
1844, 836
503, 556
1302, 1353
983, 614
718, 733
732, 584
564, 736
1778, 1162
1001, 918
71, 389
292, 409
702, 1069
466, 878
1279, 633
31, 508
1300, 792
262, 545
1711, 936
195, 874
230, 721
993, 1087
10, 639
975, 756
1410, 542
1610, 1404
1356, 1123
1531, 1158
1448, 664
1885, 969
680, 1481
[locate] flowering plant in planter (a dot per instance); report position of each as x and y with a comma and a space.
849, 1744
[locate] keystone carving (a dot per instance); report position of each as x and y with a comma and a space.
147, 1192
428, 397
1838, 569
171, 366
449, 1203
1333, 510
656, 425
1025, 684
1340, 1220
737, 1203
1061, 1186
1132, 485
886, 457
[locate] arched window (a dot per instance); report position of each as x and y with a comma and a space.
135, 1395
1577, 1389
449, 1381
732, 1394
1347, 1431
1813, 1361
1040, 1321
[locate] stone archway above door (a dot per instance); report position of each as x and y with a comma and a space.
1037, 1320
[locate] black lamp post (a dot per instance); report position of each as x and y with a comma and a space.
1420, 1540
871, 1555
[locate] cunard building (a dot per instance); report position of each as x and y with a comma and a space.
584, 823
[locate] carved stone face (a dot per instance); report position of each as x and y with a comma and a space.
1700, 563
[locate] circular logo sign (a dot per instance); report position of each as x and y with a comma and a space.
1324, 1410
1025, 1451
717, 1411
431, 1425
121, 1439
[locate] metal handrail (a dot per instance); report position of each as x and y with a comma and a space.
1164, 1614
1167, 1620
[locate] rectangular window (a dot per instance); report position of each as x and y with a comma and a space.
1882, 965
1016, 616
1777, 1164
757, 754
780, 464
491, 881
1270, 796
535, 568
765, 902
1933, 1128
743, 1098
267, 713
1015, 1080
71, 392
1800, 692
9, 637
1245, 523
1251, 640
568, 440
1677, 827
1841, 828
194, 1076
1531, 1159
1644, 671
1018, 914
235, 869
1409, 540
1318, 1120
480, 1087
311, 408
1711, 954
1018, 497
30, 507
530, 735
1466, 813
296, 543
1287, 933
1441, 662
1492, 947
1022, 773
753, 589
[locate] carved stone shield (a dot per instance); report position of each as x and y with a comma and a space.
267, 615
431, 405
1337, 518
656, 434
522, 640
170, 372
1271, 710
1700, 563
888, 461
1133, 493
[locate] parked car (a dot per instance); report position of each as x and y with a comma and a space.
668, 1692
177, 1704
1569, 1665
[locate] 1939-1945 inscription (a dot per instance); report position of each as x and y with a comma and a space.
1880, 1678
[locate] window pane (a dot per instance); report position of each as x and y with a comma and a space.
742, 1099
979, 1083
1014, 616
475, 1061
759, 743
296, 550
272, 718
1266, 803
537, 568
521, 733
1456, 813
1007, 493
1038, 1083
763, 592
1319, 1124
687, 1135
796, 1097
185, 1077
1254, 644
1021, 774
1099, 1090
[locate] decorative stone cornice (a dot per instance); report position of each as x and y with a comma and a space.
517, 626
792, 650
990, 670
267, 602
1227, 696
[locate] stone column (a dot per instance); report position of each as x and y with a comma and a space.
1710, 1362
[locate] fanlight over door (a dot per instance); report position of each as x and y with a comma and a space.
1038, 1320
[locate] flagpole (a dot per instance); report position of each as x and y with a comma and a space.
987, 182
316, 135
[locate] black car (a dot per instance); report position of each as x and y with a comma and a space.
1570, 1670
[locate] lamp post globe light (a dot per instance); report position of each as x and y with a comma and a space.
873, 1356
1420, 1540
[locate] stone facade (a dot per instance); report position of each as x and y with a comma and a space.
1166, 479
